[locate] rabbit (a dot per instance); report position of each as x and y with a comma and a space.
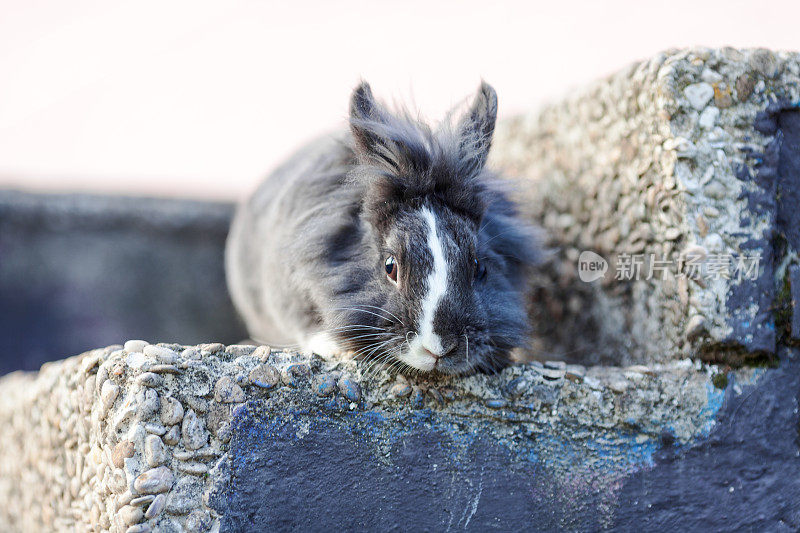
390, 241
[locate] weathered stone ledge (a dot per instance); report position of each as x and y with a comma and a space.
690, 156
136, 438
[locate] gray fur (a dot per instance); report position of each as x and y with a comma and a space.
306, 252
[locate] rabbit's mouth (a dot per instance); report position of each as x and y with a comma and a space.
421, 359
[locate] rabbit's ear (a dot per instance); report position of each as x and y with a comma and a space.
365, 115
477, 127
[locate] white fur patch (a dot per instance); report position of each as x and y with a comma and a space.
426, 339
323, 345
418, 358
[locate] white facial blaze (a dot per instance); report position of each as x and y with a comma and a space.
436, 287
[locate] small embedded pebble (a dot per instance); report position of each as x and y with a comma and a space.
575, 373
417, 398
156, 507
122, 451
172, 436
262, 353
744, 87
183, 455
708, 118
551, 373
193, 469
139, 528
181, 499
227, 391
695, 327
155, 429
163, 355
723, 95
194, 435
495, 403
618, 385
154, 481
89, 363
154, 451
641, 369
136, 360
171, 411
699, 94
149, 379
149, 403
400, 390
141, 501
672, 234
198, 404
202, 453
109, 393
295, 374
101, 377
117, 482
516, 387
130, 515
764, 62
218, 416
349, 388
165, 369
716, 190
264, 376
212, 347
190, 353
124, 499
198, 522
238, 350
325, 385
135, 345
436, 395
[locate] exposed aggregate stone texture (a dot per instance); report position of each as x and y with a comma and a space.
659, 158
130, 438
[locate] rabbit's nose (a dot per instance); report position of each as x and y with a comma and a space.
441, 352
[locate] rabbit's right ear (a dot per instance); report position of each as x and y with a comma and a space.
366, 118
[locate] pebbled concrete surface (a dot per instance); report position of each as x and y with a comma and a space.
662, 160
299, 471
245, 438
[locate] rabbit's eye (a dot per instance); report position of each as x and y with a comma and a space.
480, 269
391, 268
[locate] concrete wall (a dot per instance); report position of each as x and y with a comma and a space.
688, 157
80, 271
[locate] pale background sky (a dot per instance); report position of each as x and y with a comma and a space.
201, 99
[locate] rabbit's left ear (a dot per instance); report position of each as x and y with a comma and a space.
366, 118
476, 128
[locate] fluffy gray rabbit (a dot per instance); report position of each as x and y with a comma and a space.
391, 241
